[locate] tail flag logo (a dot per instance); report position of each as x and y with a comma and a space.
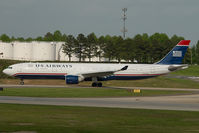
177, 53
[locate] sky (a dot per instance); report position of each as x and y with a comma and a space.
33, 18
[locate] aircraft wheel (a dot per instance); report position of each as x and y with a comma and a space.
99, 84
94, 84
21, 83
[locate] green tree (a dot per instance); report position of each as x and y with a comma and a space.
29, 39
176, 39
193, 55
48, 37
109, 48
57, 36
21, 39
90, 46
161, 45
64, 38
5, 38
128, 52
39, 38
12, 38
197, 52
117, 47
187, 58
100, 46
146, 46
80, 46
68, 47
139, 53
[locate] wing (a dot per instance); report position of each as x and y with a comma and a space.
101, 73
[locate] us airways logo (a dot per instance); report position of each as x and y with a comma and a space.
177, 53
54, 65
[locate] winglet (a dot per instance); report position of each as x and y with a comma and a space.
124, 68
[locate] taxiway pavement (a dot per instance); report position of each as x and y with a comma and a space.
183, 102
180, 102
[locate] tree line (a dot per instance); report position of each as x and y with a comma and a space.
142, 48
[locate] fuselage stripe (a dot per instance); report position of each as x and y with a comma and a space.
138, 74
40, 74
64, 74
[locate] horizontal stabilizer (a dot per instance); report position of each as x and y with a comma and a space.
174, 68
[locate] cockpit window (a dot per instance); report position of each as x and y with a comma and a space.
9, 67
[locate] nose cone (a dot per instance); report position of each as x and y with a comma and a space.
7, 72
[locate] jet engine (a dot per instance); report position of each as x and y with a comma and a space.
73, 79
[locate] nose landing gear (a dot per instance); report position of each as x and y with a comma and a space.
21, 82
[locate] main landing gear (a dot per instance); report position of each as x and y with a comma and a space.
96, 83
21, 82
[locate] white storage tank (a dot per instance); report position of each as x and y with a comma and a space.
60, 56
43, 51
95, 59
6, 50
22, 51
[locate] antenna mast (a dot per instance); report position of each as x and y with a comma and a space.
124, 30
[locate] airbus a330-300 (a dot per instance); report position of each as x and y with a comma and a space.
73, 73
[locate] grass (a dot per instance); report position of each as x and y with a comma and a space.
162, 82
59, 119
193, 70
82, 92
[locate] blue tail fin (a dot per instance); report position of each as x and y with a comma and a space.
176, 55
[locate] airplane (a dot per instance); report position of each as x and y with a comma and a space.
73, 73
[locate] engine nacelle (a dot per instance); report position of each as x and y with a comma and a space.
73, 79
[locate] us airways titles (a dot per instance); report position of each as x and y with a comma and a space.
54, 65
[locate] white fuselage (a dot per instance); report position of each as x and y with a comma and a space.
60, 70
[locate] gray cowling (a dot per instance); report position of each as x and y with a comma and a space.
72, 79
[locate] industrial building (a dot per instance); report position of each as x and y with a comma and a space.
36, 51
